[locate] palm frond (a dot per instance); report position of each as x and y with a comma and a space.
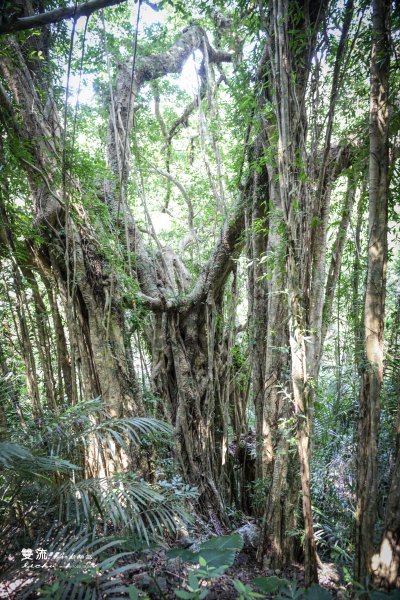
124, 503
128, 429
80, 567
11, 454
24, 462
88, 422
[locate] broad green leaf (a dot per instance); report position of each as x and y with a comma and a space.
239, 586
221, 551
270, 584
316, 592
183, 554
216, 552
226, 542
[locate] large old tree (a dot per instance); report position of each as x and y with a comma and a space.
107, 276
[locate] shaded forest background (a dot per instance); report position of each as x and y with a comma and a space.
199, 290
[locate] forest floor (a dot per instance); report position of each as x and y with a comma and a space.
160, 577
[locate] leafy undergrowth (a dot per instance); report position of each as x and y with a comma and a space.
217, 568
205, 576
173, 576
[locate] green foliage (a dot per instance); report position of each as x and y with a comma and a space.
366, 593
259, 490
108, 517
43, 475
289, 590
123, 503
89, 423
214, 555
194, 590
213, 558
316, 592
245, 592
270, 584
98, 574
281, 589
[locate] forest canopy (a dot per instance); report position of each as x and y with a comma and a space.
199, 299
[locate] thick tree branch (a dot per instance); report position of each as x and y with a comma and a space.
228, 248
149, 68
218, 267
56, 15
213, 276
231, 241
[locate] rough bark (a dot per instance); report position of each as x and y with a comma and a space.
281, 469
186, 372
44, 339
336, 258
73, 254
303, 185
291, 119
91, 294
257, 232
186, 343
374, 313
9, 389
386, 562
24, 338
66, 381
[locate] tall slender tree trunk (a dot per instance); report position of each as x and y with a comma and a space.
9, 389
279, 467
43, 339
256, 246
386, 562
66, 381
302, 381
374, 313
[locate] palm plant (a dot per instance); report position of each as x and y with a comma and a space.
108, 517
